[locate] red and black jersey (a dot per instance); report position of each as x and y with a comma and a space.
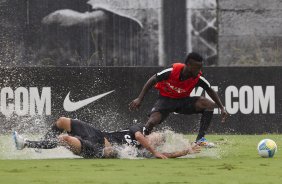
170, 85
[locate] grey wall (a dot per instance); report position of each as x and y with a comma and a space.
202, 29
249, 32
226, 32
79, 32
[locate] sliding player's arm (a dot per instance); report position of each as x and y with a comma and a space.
194, 149
145, 143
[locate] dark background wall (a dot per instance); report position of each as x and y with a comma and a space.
111, 112
141, 33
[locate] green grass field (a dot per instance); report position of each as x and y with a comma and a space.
235, 160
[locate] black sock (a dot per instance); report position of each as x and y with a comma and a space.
45, 144
205, 123
152, 123
148, 130
53, 133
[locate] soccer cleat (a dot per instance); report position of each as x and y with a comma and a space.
19, 141
205, 143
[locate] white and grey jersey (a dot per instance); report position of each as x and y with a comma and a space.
164, 75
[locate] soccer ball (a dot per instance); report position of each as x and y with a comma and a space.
267, 148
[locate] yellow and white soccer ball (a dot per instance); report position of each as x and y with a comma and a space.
267, 148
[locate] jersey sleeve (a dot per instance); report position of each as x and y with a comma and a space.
163, 75
203, 83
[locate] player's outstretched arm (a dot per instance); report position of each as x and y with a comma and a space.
191, 150
135, 104
214, 96
145, 143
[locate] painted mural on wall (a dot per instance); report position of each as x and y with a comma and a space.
96, 32
202, 29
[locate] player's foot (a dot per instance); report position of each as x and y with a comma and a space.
19, 141
205, 143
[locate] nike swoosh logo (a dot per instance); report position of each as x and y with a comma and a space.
70, 106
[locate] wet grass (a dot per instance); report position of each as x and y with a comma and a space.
237, 162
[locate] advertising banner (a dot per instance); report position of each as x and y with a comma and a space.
33, 97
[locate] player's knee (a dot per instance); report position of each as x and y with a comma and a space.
204, 103
71, 143
63, 123
65, 138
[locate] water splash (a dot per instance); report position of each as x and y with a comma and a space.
173, 142
177, 142
8, 151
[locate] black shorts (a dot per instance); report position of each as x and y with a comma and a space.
91, 139
166, 105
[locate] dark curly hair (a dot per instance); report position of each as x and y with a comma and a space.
195, 56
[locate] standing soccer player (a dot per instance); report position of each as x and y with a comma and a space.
175, 85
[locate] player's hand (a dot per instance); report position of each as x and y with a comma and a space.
160, 155
224, 114
194, 149
135, 104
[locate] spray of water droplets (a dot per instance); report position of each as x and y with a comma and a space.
173, 142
